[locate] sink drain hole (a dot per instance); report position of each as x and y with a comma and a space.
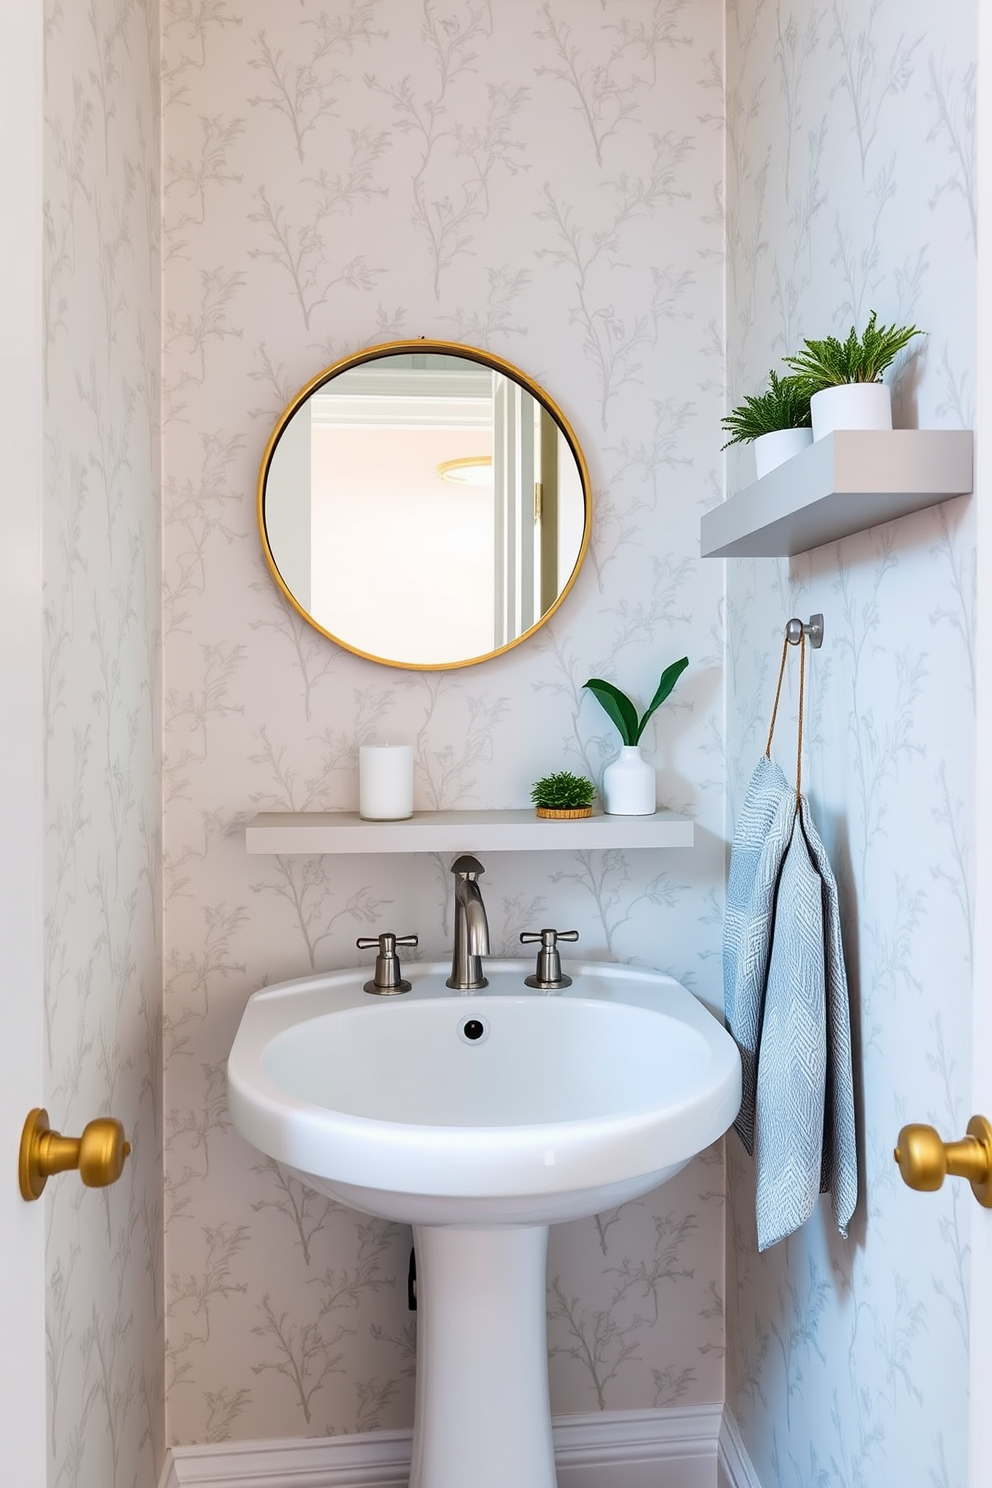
473, 1030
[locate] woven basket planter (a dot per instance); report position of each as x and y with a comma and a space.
572, 814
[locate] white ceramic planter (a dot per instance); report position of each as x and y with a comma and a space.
772, 450
851, 405
629, 784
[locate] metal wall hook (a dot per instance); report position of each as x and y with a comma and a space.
813, 630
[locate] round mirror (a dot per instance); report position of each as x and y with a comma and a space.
424, 505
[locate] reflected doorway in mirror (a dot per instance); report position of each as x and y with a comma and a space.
374, 539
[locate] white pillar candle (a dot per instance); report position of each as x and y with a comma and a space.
385, 781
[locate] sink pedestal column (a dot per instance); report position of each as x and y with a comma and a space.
483, 1414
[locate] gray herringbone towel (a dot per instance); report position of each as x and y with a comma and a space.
787, 1005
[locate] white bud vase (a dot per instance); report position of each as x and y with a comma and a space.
629, 784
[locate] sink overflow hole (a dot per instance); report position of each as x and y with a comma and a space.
473, 1030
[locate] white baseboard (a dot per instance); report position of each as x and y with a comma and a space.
377, 1459
672, 1448
734, 1467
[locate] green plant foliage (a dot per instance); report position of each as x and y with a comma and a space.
618, 706
563, 792
830, 363
622, 711
785, 405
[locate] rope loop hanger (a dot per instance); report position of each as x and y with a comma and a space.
796, 633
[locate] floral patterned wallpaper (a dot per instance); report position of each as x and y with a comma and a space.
850, 187
102, 569
543, 180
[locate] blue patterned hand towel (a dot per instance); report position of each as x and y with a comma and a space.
805, 1100
787, 1006
839, 1172
761, 838
792, 1060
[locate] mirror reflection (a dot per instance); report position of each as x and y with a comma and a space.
424, 507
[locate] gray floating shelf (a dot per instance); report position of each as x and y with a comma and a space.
849, 481
317, 832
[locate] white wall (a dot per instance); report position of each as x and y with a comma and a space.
102, 565
851, 187
543, 181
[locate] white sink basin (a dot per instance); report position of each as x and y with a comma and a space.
569, 1103
566, 1103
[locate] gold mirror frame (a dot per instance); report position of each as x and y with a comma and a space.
446, 348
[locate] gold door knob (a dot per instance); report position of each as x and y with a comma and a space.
98, 1154
925, 1161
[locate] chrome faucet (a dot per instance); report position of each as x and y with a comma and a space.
471, 927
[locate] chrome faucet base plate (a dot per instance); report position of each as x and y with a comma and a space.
542, 986
373, 986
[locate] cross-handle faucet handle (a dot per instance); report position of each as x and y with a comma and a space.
387, 940
548, 976
388, 976
547, 937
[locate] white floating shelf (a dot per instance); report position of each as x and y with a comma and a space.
842, 484
316, 832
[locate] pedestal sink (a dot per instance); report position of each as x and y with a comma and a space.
481, 1119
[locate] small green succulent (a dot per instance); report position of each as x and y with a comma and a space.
830, 363
563, 791
785, 405
622, 711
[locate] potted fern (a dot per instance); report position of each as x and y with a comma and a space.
629, 783
843, 379
562, 796
776, 422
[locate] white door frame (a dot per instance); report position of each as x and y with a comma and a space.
22, 1233
981, 1230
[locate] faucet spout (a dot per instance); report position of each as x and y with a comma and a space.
471, 927
476, 924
